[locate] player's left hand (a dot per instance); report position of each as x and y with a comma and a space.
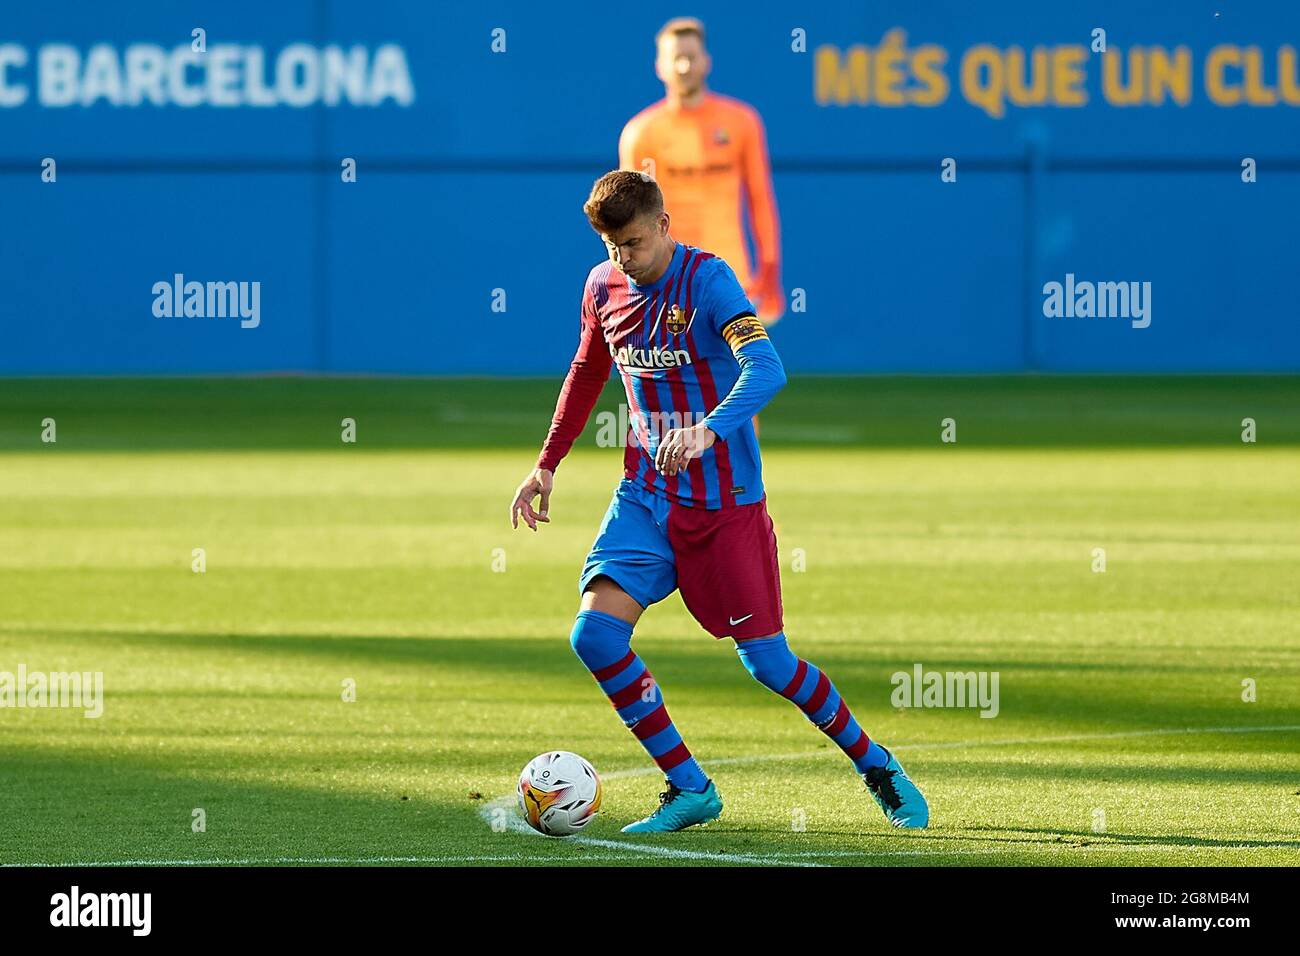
680, 445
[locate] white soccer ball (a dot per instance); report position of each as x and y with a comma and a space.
559, 793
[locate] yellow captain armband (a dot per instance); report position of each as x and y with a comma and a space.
742, 330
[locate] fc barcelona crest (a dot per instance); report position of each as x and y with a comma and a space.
676, 321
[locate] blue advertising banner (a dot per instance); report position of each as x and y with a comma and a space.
397, 187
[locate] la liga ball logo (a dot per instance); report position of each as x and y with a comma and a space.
559, 793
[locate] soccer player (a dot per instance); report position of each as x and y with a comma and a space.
690, 512
707, 151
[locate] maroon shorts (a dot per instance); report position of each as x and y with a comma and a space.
723, 561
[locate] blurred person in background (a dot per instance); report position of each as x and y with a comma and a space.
707, 151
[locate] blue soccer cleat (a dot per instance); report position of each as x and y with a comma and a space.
679, 809
897, 795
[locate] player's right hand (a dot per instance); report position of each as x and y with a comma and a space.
540, 482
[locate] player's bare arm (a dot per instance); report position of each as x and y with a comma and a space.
582, 386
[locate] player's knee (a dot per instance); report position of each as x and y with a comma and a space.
603, 593
599, 639
769, 660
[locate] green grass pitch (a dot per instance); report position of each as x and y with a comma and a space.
1122, 736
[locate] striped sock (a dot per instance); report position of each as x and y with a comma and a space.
603, 643
774, 666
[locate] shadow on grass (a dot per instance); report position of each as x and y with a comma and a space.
1132, 700
72, 808
66, 808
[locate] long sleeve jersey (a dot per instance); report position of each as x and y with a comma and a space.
689, 350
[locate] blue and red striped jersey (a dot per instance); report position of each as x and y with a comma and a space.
679, 345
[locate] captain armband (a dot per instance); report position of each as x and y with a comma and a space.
742, 330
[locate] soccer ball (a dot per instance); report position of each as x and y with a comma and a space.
559, 793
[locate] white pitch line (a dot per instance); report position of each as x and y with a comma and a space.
312, 860
260, 861
515, 823
518, 825
784, 858
1049, 847
964, 744
690, 854
501, 811
1066, 738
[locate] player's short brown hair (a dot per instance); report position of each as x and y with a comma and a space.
620, 196
681, 26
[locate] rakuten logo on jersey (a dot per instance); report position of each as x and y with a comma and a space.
650, 358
